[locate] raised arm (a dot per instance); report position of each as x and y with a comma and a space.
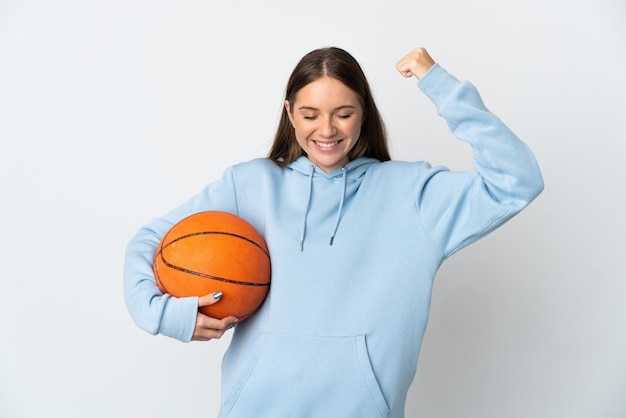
459, 208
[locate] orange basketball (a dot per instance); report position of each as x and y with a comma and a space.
215, 251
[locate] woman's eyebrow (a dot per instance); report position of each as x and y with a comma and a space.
337, 108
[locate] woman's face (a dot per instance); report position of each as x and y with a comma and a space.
327, 116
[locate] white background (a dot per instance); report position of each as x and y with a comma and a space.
114, 112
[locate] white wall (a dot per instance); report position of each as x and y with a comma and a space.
113, 112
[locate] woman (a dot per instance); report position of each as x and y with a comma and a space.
355, 242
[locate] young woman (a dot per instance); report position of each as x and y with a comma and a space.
355, 241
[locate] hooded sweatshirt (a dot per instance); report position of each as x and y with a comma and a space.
354, 254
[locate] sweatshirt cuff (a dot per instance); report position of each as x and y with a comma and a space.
437, 83
179, 318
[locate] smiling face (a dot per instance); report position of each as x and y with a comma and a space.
327, 117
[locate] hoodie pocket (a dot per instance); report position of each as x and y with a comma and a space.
307, 376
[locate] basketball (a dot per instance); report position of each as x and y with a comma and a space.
215, 251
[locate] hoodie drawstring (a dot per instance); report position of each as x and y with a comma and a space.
343, 197
308, 205
306, 209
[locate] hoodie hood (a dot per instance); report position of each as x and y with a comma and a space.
352, 171
355, 168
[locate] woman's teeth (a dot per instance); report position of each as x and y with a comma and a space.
327, 144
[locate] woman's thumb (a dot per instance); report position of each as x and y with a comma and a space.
209, 299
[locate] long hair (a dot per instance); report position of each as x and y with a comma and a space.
336, 63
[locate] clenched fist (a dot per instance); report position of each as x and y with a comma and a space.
417, 63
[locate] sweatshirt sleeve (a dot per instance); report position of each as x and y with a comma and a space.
458, 208
153, 311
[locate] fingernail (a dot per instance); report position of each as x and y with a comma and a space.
217, 295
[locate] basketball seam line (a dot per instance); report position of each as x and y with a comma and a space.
221, 233
208, 276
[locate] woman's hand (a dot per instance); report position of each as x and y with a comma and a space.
417, 64
208, 328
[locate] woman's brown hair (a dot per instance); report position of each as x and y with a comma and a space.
339, 64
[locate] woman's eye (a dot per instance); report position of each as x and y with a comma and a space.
310, 117
344, 116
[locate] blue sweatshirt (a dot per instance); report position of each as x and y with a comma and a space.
340, 331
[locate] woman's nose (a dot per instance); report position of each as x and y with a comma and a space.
328, 127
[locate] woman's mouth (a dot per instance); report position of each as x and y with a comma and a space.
327, 145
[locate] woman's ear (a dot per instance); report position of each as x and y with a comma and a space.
288, 109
